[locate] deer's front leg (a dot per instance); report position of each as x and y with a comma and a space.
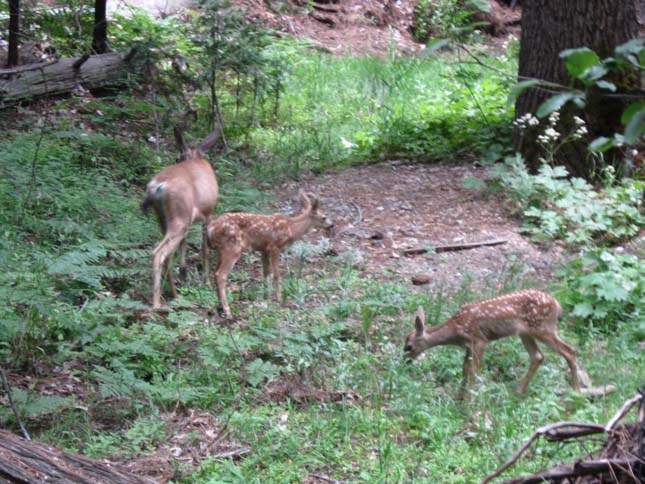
225, 262
472, 362
274, 258
266, 268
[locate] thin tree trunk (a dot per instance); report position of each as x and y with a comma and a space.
99, 36
551, 26
14, 31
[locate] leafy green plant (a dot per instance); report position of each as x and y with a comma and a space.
435, 18
603, 290
557, 207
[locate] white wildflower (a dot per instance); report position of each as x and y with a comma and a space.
533, 121
554, 117
347, 144
551, 133
578, 121
634, 153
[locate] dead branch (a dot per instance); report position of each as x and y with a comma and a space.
620, 466
622, 412
453, 247
541, 431
579, 469
7, 390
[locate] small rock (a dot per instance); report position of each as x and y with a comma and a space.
421, 279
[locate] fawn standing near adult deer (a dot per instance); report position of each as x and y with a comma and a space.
234, 233
181, 195
532, 315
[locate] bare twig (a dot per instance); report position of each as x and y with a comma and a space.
453, 247
320, 477
622, 412
7, 390
232, 453
359, 218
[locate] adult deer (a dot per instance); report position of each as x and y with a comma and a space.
181, 195
532, 315
232, 234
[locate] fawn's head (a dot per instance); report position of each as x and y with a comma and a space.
415, 342
311, 204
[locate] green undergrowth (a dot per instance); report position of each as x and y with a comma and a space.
105, 372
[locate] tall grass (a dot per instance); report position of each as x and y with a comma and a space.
336, 111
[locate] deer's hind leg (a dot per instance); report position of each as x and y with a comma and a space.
568, 353
161, 257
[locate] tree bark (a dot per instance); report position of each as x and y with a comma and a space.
14, 30
551, 26
99, 36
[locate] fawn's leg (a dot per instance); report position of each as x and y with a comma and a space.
472, 362
567, 352
536, 360
206, 253
466, 368
266, 271
274, 259
225, 262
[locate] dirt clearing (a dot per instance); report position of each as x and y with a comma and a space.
382, 210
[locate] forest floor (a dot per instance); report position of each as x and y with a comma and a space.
344, 27
385, 211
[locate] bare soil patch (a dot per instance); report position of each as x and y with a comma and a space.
383, 210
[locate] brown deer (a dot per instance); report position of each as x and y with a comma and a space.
532, 315
181, 195
234, 233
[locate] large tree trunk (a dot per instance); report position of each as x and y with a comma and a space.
551, 26
65, 75
99, 35
14, 30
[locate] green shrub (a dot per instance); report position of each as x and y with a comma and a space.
603, 290
557, 207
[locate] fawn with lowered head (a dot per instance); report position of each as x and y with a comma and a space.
181, 195
234, 233
532, 315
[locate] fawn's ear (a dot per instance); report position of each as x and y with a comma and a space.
304, 199
419, 320
314, 201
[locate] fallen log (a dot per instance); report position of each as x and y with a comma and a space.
66, 74
27, 461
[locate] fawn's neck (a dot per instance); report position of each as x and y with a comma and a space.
442, 334
300, 224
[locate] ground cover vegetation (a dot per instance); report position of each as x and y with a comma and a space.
96, 372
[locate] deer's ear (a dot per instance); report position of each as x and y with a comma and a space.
314, 201
419, 320
304, 199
